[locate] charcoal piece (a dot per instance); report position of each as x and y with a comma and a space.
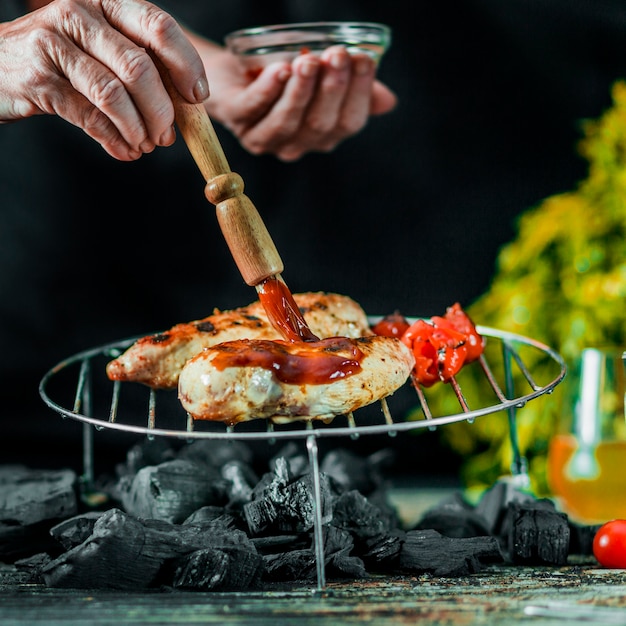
454, 517
351, 472
383, 551
581, 538
295, 457
31, 502
427, 551
210, 513
231, 568
125, 552
172, 490
338, 545
118, 554
216, 452
278, 478
536, 533
353, 512
287, 507
30, 567
280, 543
148, 452
240, 481
290, 566
493, 504
74, 530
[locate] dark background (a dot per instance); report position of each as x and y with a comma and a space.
408, 215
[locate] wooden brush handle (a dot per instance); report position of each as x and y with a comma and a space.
247, 237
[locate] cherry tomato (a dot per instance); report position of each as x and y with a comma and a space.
461, 321
439, 352
609, 544
393, 325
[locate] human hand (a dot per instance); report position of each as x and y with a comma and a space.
311, 105
88, 61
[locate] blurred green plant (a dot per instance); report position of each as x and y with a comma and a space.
561, 281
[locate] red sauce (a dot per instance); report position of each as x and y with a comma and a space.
316, 364
282, 310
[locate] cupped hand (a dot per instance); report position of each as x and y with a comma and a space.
88, 61
310, 105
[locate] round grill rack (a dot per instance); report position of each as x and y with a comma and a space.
78, 388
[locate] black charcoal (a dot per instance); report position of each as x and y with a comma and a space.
494, 502
290, 566
74, 530
351, 472
239, 480
172, 490
125, 552
353, 512
383, 551
231, 567
284, 506
295, 457
338, 545
148, 452
210, 514
216, 452
280, 543
31, 502
427, 551
454, 517
536, 533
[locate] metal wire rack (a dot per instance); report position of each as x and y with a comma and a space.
78, 388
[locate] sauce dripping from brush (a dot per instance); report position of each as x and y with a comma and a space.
282, 310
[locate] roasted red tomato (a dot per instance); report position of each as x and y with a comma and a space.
460, 320
609, 544
393, 325
439, 352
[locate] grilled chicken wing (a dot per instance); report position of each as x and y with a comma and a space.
157, 360
244, 380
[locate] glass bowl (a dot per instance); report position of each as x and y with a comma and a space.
259, 46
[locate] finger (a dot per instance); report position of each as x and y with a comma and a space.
355, 109
255, 101
106, 91
383, 99
156, 30
118, 77
333, 85
285, 118
326, 123
64, 101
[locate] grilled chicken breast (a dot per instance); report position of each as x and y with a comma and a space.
156, 360
244, 380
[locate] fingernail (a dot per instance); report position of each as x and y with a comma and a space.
201, 90
309, 68
284, 74
168, 137
338, 61
146, 146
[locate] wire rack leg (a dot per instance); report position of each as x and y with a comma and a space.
519, 465
311, 445
88, 477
